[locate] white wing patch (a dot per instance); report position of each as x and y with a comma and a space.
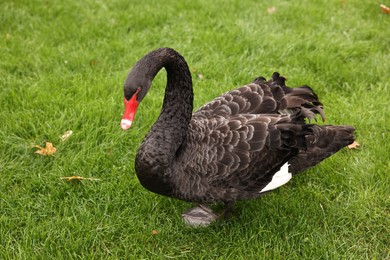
280, 178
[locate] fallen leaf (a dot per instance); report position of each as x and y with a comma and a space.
385, 9
354, 145
93, 62
49, 150
154, 232
78, 178
66, 135
200, 76
271, 9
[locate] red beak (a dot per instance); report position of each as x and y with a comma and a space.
130, 109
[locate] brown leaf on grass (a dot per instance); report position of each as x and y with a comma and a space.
271, 10
354, 145
385, 9
49, 150
78, 178
93, 62
154, 232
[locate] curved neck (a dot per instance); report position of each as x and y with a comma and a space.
168, 134
177, 107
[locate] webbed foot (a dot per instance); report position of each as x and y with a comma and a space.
200, 216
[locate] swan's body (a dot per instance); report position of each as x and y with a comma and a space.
241, 144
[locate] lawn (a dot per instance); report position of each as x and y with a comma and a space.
62, 68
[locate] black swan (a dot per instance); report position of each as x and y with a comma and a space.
244, 143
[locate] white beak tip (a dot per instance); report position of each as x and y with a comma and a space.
126, 124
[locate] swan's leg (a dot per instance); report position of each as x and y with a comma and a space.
227, 211
199, 216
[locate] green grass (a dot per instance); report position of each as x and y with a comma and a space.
63, 65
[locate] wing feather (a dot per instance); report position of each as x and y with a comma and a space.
266, 97
238, 141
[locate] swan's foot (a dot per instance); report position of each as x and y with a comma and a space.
200, 216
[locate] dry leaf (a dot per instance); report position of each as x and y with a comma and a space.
66, 135
78, 178
47, 151
385, 9
354, 145
154, 232
93, 62
271, 9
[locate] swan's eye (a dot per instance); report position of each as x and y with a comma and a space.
138, 90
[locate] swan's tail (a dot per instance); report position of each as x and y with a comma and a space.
322, 143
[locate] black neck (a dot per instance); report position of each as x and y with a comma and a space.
168, 134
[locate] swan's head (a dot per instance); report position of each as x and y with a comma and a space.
135, 88
131, 106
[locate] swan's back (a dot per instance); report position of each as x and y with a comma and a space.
265, 97
237, 142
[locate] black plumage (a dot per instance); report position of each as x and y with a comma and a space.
230, 148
